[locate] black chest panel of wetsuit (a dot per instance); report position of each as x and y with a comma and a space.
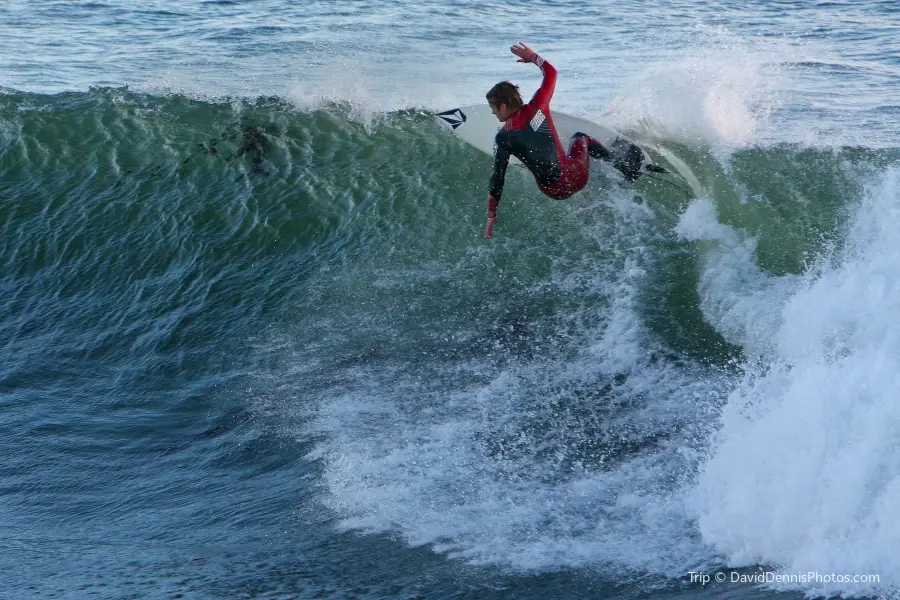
535, 147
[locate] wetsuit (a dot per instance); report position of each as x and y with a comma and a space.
530, 136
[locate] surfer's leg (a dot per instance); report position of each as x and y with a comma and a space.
577, 167
595, 149
578, 149
574, 173
628, 158
574, 170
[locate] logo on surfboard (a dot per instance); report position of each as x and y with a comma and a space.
454, 117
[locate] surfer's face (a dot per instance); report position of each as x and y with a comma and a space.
501, 111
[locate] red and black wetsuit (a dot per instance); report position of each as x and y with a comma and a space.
530, 136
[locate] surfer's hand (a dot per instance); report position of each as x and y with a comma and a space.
524, 53
489, 230
491, 215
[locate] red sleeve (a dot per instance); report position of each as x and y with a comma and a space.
545, 92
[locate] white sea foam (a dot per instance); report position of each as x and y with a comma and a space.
805, 471
511, 471
717, 92
742, 302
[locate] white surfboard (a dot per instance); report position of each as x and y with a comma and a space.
478, 126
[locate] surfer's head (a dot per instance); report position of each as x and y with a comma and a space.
504, 99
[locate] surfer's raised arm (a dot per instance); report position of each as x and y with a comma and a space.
544, 93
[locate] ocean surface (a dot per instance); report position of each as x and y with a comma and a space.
253, 343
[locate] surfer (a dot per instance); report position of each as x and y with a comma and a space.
529, 134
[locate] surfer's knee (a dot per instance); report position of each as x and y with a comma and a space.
595, 148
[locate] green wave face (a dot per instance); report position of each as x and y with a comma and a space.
235, 206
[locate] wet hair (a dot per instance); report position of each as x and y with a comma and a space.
505, 93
